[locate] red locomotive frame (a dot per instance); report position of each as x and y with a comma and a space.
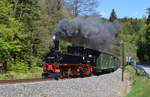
68, 70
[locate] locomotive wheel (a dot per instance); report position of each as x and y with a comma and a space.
74, 73
83, 71
64, 73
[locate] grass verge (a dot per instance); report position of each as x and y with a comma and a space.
141, 85
14, 75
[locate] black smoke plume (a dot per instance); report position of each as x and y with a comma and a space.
89, 31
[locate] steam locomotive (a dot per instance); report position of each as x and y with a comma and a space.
77, 61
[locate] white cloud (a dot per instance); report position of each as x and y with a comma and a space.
104, 14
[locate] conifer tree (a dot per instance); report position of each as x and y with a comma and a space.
147, 35
113, 16
143, 51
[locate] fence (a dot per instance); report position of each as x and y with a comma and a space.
139, 68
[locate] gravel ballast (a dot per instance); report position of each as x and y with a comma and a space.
107, 85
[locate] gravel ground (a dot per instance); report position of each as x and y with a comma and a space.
107, 85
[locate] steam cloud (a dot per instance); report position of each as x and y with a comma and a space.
89, 31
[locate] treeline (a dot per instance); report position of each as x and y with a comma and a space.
25, 31
135, 33
26, 28
143, 51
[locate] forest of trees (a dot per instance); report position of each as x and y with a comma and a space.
26, 28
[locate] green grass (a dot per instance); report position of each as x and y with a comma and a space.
14, 75
141, 85
11, 76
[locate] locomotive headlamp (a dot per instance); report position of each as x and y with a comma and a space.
54, 37
83, 58
56, 42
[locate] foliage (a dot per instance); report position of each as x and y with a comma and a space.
147, 35
28, 12
129, 34
144, 42
10, 34
13, 75
34, 67
53, 11
19, 66
113, 16
26, 31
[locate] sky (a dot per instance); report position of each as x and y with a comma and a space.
124, 8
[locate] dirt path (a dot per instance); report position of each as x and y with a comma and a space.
125, 86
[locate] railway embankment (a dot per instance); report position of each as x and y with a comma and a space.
106, 85
140, 82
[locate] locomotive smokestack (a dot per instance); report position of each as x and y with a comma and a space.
56, 43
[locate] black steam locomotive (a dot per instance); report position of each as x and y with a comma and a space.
77, 61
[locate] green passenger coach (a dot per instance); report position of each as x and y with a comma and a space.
106, 62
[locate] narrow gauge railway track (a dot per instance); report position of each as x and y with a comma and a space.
24, 80
16, 81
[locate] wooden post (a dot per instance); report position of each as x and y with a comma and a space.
123, 61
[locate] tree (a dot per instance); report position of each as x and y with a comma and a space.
132, 33
144, 41
148, 19
10, 34
25, 31
140, 42
29, 13
52, 12
81, 7
147, 35
148, 28
22, 38
113, 16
